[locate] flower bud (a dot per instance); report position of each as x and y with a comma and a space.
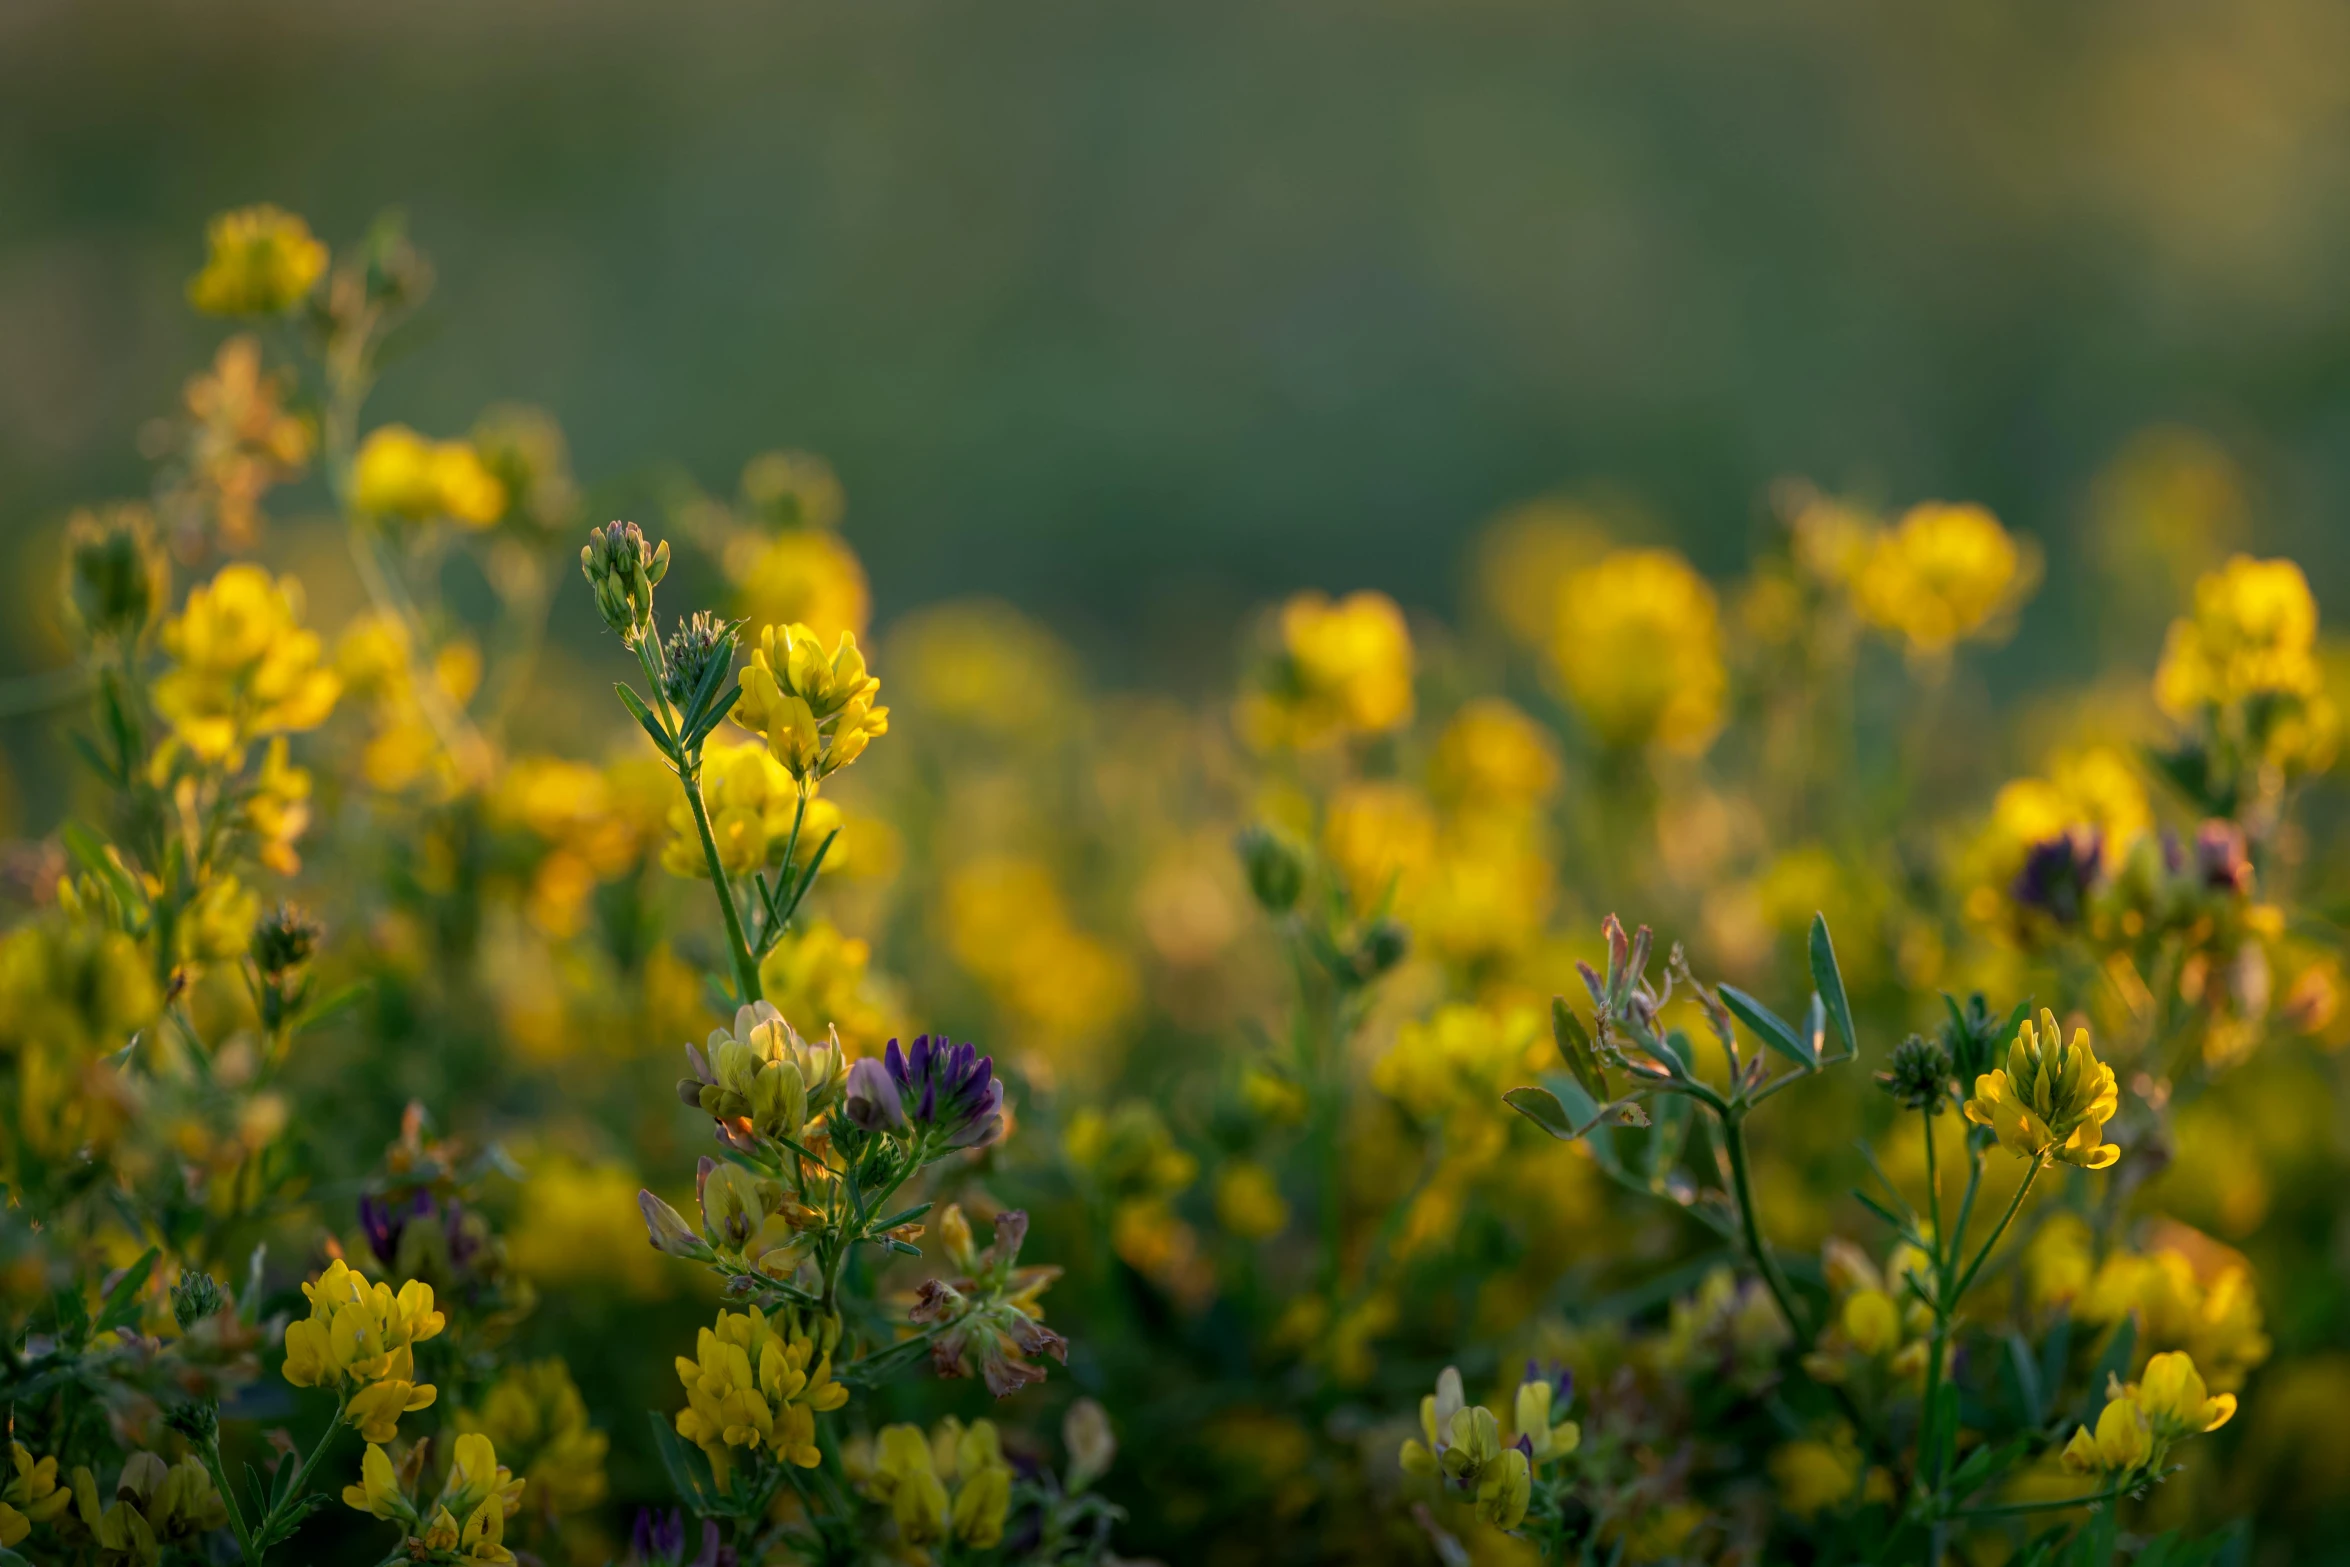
1276, 868
1092, 1445
194, 1297
117, 581
668, 1232
623, 569
873, 1098
696, 644
284, 940
1383, 946
198, 1420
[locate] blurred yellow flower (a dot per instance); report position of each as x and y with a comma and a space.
1460, 1060
1637, 646
534, 1415
2210, 1311
1341, 669
577, 1225
243, 666
1249, 1203
242, 441
1381, 839
263, 262
2253, 632
819, 977
400, 473
980, 662
1008, 927
1941, 575
801, 577
1493, 756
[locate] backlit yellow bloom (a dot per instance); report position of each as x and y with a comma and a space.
1940, 575
400, 473
815, 709
2253, 634
1638, 649
1381, 839
262, 262
1814, 1474
1340, 669
243, 667
2052, 1100
758, 1383
378, 1491
2174, 1400
911, 1474
361, 1335
1492, 755
750, 798
2211, 1311
2121, 1443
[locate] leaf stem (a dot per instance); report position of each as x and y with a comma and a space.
1742, 1184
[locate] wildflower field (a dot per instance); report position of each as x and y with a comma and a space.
1655, 1069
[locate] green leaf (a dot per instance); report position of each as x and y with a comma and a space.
644, 715
688, 1470
1766, 1025
1543, 1108
1830, 980
713, 718
2023, 1371
904, 1216
89, 851
1574, 1044
122, 1302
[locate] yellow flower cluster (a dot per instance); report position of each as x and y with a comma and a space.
2093, 790
750, 799
467, 1523
805, 577
758, 1383
2141, 1421
1939, 576
359, 1338
1877, 1320
1638, 650
1457, 1062
2052, 1099
2185, 1292
1340, 670
818, 974
375, 661
911, 1474
156, 1505
2252, 635
534, 1414
243, 666
71, 993
263, 262
814, 709
31, 1495
1814, 1474
401, 474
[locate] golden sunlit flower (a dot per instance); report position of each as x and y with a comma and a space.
262, 263
2052, 1100
402, 474
1638, 649
2122, 1441
1941, 575
1341, 669
242, 665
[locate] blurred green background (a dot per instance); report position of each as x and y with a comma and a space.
1136, 314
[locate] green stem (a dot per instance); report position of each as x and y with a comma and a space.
1742, 1183
2031, 1174
738, 950
301, 1485
2052, 1504
210, 1453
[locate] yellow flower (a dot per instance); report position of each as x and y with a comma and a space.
1638, 649
2174, 1400
1532, 1410
1249, 1203
1459, 1060
1381, 839
2252, 635
2052, 1100
362, 1334
803, 576
981, 663
1871, 1321
263, 262
2122, 1441
823, 977
32, 1494
242, 665
1492, 755
2210, 1311
535, 1415
1340, 669
1940, 575
1814, 1474
905, 1478
753, 1384
750, 798
910, 1473
399, 473
378, 1491
815, 709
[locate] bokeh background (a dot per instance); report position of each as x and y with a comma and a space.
1137, 315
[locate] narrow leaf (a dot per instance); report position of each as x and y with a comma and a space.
1574, 1044
643, 715
122, 1302
1766, 1025
716, 716
1830, 980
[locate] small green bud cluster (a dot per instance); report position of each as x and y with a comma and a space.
623, 568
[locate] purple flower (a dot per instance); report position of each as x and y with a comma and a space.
950, 1089
873, 1097
2222, 858
2059, 872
